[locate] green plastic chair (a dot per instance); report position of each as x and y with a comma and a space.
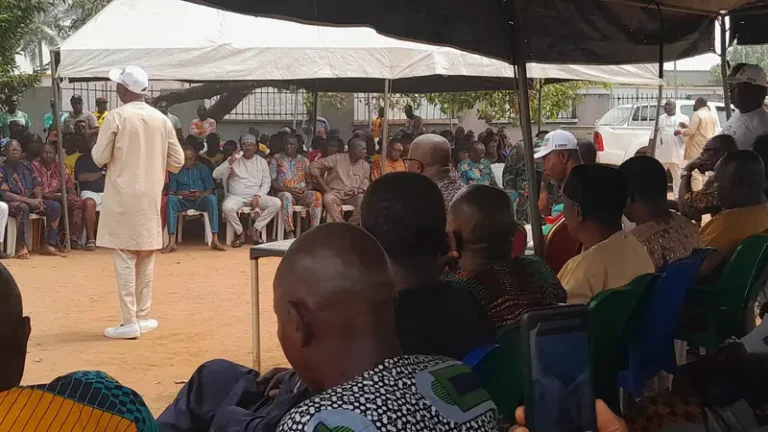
501, 373
609, 312
722, 307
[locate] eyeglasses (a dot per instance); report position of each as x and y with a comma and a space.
419, 164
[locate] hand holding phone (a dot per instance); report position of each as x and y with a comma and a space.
557, 362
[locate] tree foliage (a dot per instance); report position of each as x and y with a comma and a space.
16, 18
756, 54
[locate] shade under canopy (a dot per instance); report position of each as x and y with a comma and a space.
556, 31
213, 45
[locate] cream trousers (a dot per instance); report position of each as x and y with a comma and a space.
134, 271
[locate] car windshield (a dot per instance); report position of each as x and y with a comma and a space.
615, 117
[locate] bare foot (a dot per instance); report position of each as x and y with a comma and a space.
23, 254
171, 248
217, 247
49, 251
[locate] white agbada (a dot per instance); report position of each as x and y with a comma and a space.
670, 148
138, 144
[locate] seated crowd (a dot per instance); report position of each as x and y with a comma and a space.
429, 276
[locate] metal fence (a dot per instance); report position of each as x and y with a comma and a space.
367, 108
93, 90
269, 104
264, 104
637, 97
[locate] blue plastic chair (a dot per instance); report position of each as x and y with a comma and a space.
650, 331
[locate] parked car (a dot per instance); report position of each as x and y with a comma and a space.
624, 131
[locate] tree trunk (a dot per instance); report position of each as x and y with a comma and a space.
232, 93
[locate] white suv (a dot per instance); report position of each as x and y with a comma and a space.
624, 131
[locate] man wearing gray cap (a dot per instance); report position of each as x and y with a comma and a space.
247, 179
138, 145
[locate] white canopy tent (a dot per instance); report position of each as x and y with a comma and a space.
179, 40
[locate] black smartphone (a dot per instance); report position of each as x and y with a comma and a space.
559, 391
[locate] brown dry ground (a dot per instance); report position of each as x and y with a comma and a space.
201, 298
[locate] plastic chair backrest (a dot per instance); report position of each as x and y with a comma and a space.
500, 371
609, 312
520, 242
650, 331
734, 284
559, 246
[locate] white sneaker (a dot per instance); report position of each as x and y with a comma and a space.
128, 331
147, 325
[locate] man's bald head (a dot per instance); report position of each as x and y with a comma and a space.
333, 291
481, 223
740, 179
433, 153
14, 332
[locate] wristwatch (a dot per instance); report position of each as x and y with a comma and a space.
685, 173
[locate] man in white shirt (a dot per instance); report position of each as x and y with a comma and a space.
248, 179
669, 147
139, 145
748, 87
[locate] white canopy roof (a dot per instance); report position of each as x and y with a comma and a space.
178, 40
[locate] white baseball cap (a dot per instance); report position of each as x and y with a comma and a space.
750, 73
556, 140
132, 77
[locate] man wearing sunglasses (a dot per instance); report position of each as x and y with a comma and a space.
430, 155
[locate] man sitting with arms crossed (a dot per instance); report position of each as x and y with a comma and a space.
694, 204
405, 213
740, 179
482, 227
666, 236
595, 197
343, 179
372, 386
248, 180
191, 189
431, 156
79, 401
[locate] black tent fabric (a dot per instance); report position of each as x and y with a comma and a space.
748, 24
557, 31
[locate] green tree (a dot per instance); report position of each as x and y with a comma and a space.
17, 17
756, 54
501, 106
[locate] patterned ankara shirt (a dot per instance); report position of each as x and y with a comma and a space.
403, 394
449, 187
507, 290
703, 201
669, 240
85, 401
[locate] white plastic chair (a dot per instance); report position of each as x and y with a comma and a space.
252, 214
10, 241
344, 208
180, 225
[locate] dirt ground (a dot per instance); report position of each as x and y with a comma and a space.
201, 298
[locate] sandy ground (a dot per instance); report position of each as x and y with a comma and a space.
201, 298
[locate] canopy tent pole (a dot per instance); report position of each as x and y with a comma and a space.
295, 107
385, 129
525, 128
541, 90
314, 112
655, 139
724, 66
62, 156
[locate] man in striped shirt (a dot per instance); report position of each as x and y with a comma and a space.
80, 401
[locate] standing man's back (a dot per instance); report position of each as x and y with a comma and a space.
141, 138
138, 144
